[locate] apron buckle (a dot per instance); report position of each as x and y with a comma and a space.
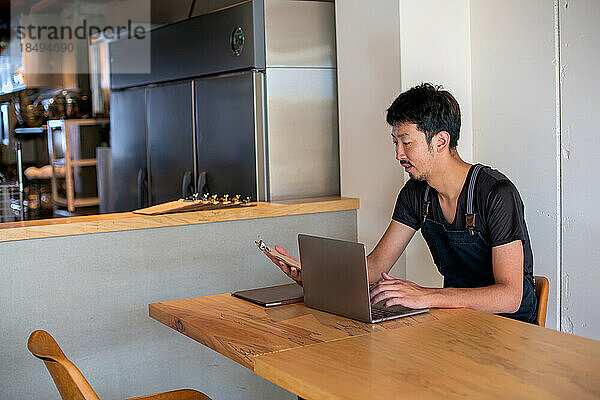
470, 223
425, 210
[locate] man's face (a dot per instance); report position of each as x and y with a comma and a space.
412, 151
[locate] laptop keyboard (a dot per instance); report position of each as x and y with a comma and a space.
377, 313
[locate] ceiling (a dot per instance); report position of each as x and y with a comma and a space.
162, 11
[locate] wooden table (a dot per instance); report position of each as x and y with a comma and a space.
242, 331
472, 355
441, 354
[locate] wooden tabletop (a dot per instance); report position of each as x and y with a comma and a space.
242, 331
469, 355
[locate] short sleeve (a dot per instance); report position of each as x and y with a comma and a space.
505, 214
407, 209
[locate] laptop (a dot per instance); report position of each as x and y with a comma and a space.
273, 295
334, 275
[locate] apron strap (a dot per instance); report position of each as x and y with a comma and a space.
470, 215
426, 203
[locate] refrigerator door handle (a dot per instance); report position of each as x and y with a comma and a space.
187, 185
202, 185
142, 185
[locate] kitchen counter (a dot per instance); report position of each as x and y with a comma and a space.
56, 227
94, 276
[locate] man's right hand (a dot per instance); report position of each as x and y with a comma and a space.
290, 271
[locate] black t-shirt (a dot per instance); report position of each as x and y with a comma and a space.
496, 201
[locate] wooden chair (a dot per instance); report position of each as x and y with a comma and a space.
71, 383
542, 287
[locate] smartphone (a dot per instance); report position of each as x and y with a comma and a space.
274, 253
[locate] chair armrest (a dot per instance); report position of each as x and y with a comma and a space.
183, 394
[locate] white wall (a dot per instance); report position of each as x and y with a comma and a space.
368, 59
513, 114
498, 59
580, 102
371, 73
435, 47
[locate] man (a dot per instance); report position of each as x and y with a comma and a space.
471, 217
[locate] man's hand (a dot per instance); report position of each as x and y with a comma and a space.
290, 271
398, 291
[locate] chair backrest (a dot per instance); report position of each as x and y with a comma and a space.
542, 287
69, 381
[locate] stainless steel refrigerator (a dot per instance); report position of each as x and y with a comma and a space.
239, 101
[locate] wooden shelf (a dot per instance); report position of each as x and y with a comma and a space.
86, 121
71, 151
79, 202
85, 162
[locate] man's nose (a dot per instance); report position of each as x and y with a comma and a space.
400, 153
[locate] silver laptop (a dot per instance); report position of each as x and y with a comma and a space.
334, 276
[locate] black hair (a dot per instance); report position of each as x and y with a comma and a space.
429, 107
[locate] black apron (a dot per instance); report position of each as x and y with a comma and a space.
464, 257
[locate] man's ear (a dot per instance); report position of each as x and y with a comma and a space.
441, 141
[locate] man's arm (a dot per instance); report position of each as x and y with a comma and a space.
381, 259
388, 249
502, 297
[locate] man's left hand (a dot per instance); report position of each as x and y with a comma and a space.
398, 291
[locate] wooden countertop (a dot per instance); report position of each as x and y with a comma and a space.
242, 331
55, 227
